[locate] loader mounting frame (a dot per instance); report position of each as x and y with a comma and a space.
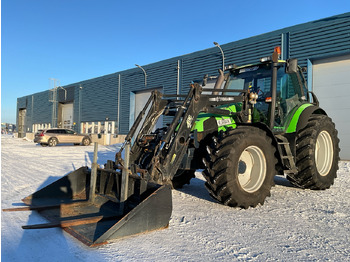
169, 153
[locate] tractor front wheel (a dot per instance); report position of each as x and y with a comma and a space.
182, 177
240, 167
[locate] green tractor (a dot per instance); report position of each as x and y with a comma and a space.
258, 121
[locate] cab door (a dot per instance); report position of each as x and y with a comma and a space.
288, 99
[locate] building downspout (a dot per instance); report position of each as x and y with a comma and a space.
118, 113
80, 90
33, 115
178, 78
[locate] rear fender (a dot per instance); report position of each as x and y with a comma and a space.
304, 118
301, 117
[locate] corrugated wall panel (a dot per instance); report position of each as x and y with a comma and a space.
195, 67
22, 102
98, 99
39, 109
321, 40
42, 107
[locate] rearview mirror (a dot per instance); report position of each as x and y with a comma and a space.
291, 66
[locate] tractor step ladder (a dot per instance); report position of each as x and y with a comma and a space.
286, 155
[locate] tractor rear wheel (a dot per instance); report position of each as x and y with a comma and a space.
317, 154
240, 167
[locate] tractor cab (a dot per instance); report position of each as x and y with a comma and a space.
258, 79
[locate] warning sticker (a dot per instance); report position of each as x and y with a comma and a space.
224, 122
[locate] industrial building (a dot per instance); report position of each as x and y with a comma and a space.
109, 104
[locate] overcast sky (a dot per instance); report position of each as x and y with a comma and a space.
74, 40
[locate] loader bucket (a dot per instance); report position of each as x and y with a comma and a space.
66, 204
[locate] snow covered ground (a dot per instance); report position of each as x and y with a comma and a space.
293, 224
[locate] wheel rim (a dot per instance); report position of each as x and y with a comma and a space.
86, 142
324, 153
251, 169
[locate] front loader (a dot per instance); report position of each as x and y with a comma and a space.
258, 121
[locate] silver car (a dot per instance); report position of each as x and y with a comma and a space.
54, 136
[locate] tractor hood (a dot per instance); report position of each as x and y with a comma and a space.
212, 122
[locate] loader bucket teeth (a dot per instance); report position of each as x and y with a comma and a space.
65, 203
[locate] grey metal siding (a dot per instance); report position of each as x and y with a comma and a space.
42, 107
99, 99
22, 102
239, 53
39, 109
321, 39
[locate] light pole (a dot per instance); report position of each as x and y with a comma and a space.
222, 54
144, 71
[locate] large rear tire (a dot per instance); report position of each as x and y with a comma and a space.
240, 167
317, 154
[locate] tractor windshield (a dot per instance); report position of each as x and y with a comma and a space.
257, 78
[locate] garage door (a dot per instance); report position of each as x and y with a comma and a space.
141, 99
331, 84
67, 115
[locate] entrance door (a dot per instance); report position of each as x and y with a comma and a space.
21, 123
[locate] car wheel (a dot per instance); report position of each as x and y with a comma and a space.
86, 141
53, 142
